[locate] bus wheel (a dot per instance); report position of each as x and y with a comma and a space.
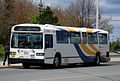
25, 65
97, 59
57, 61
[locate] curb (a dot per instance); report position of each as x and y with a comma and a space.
10, 67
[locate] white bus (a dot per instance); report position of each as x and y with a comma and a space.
32, 44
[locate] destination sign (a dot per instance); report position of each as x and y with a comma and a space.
26, 28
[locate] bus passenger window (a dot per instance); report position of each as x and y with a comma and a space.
75, 37
62, 37
102, 38
84, 38
92, 38
48, 41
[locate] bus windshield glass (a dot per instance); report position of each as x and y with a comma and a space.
27, 41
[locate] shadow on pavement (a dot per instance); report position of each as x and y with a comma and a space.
66, 66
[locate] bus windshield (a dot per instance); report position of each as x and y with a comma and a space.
27, 41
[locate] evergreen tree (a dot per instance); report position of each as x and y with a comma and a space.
46, 17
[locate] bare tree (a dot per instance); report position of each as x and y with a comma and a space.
104, 24
82, 13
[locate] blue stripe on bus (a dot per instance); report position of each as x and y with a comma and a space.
82, 55
97, 31
61, 29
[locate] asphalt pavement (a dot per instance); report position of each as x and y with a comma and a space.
105, 72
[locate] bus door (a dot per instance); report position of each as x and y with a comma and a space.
49, 51
103, 42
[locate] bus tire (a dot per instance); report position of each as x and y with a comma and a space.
25, 65
97, 59
57, 61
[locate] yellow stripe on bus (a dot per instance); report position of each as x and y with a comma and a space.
70, 29
94, 48
87, 50
90, 31
91, 45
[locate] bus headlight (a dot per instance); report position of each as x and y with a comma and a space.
40, 54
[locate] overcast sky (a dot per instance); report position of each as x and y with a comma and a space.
112, 8
108, 7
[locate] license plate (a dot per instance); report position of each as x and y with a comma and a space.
21, 57
12, 56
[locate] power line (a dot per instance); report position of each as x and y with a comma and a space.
116, 28
114, 20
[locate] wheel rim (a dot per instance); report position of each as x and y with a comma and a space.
56, 61
98, 60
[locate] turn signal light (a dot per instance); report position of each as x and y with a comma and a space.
40, 54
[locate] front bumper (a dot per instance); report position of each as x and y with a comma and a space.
31, 61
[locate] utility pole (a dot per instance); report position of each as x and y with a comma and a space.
40, 7
97, 13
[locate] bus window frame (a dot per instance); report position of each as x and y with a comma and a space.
51, 40
96, 37
75, 36
25, 33
106, 38
62, 42
82, 37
